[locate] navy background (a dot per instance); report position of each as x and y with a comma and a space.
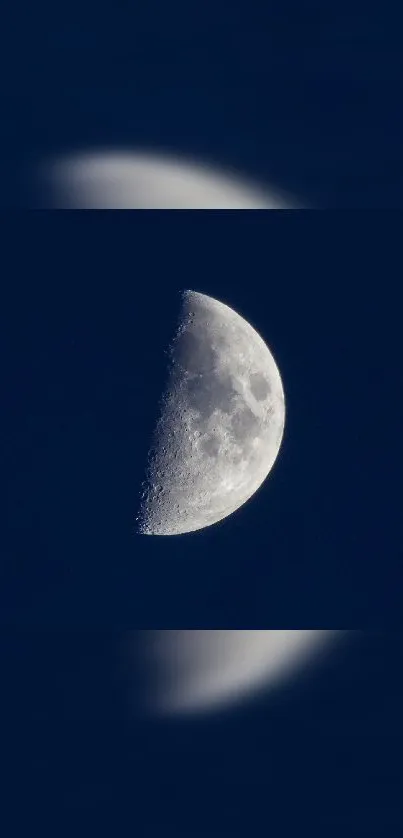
305, 96
88, 307
301, 95
322, 757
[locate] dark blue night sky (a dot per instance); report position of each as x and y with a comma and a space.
302, 95
326, 758
89, 311
89, 307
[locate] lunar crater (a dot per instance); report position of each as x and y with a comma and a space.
260, 387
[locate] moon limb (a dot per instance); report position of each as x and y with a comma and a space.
221, 422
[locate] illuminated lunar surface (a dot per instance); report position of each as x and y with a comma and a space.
129, 180
197, 671
221, 421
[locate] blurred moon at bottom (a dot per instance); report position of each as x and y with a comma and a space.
196, 672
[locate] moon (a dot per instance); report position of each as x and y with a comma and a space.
221, 421
138, 180
196, 671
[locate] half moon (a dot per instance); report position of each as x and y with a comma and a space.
137, 180
221, 421
197, 671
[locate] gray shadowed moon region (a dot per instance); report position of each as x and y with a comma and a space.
221, 421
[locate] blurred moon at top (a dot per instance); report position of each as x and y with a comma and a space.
139, 180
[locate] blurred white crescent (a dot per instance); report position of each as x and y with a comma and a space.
195, 671
139, 180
